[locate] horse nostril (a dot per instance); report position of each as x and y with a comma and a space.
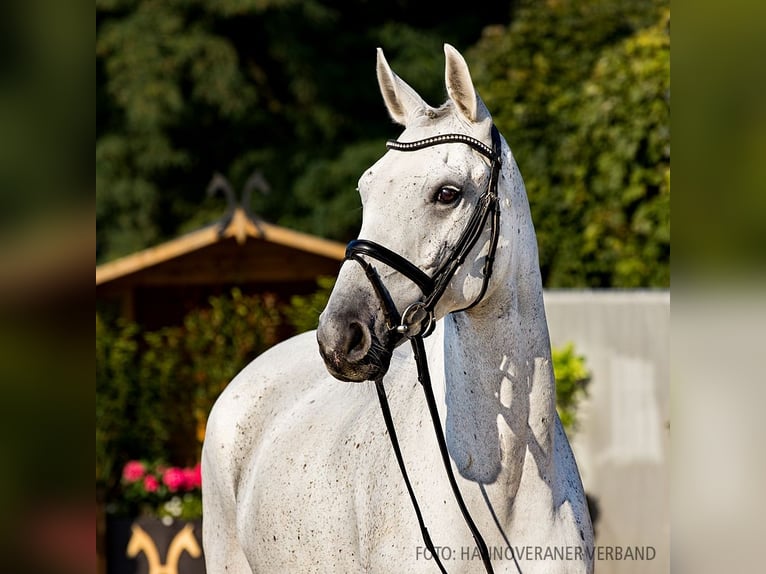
357, 342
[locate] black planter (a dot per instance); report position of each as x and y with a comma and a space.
145, 545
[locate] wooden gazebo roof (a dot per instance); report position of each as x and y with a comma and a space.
244, 250
159, 285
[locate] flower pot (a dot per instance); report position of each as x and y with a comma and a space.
147, 546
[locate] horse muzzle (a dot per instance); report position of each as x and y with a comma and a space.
351, 349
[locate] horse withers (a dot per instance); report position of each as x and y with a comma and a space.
299, 473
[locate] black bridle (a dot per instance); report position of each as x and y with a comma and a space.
417, 321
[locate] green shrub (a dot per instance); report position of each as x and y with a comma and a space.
304, 310
116, 359
572, 378
154, 390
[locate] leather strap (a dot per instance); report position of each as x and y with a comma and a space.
386, 410
385, 255
424, 377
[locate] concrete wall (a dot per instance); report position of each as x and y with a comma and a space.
622, 445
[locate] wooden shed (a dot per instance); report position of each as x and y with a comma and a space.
159, 285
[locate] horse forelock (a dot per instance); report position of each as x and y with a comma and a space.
446, 115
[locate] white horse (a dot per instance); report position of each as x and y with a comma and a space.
298, 470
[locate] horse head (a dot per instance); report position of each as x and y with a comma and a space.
418, 209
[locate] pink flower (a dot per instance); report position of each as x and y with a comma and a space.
193, 477
133, 471
173, 478
151, 484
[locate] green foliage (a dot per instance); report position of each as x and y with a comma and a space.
622, 150
154, 390
326, 199
116, 357
572, 377
580, 88
222, 339
304, 310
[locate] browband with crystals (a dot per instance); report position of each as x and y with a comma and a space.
479, 146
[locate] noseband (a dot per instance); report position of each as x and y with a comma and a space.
417, 321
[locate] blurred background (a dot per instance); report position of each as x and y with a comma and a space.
286, 91
229, 139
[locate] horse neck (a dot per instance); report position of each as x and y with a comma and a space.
499, 385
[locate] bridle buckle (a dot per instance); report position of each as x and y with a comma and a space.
417, 320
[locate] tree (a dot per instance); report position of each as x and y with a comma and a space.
288, 87
581, 91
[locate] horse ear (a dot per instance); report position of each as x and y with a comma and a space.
460, 86
401, 100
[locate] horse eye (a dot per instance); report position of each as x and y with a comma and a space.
447, 195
